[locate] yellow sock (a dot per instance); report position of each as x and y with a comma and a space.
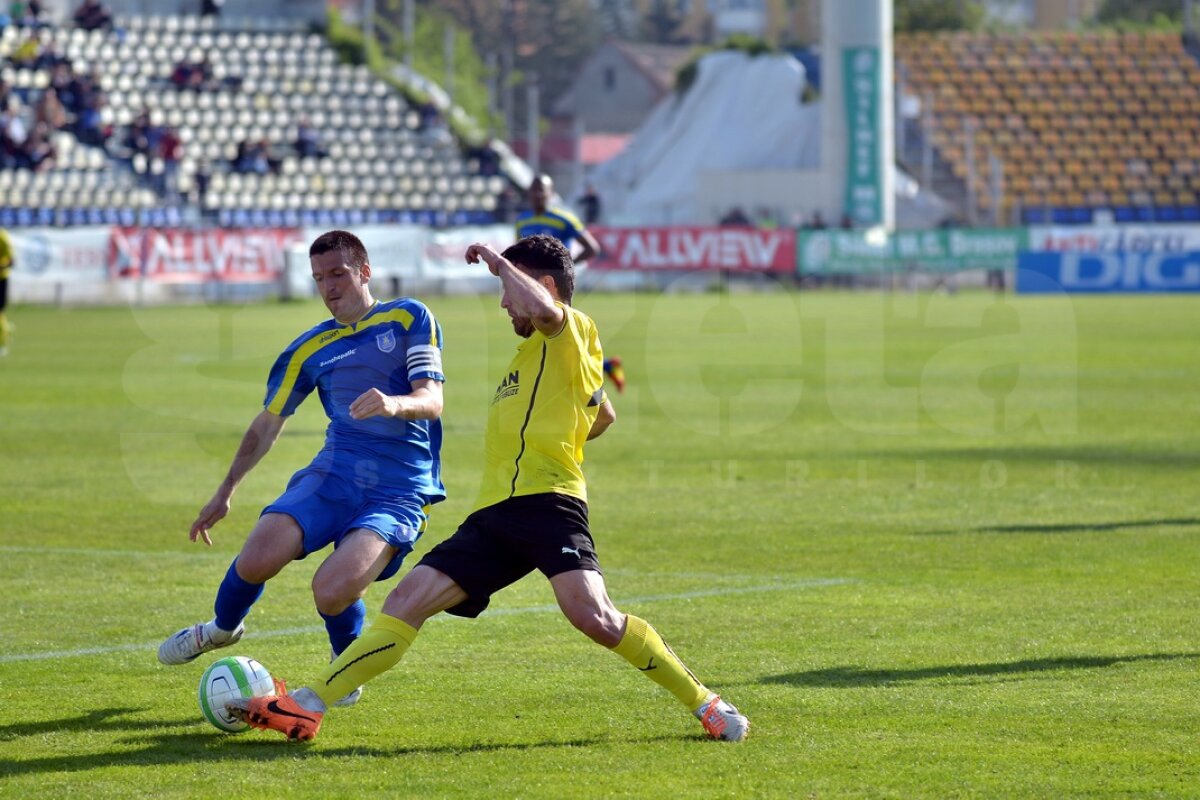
644, 648
376, 651
3, 329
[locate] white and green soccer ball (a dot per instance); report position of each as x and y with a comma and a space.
228, 679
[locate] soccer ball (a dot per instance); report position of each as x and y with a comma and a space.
229, 679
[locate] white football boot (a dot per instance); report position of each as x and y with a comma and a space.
722, 721
191, 642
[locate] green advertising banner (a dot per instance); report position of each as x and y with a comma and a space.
948, 250
864, 181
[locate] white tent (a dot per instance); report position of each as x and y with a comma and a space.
741, 113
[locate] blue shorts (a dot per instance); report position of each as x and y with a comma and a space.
328, 506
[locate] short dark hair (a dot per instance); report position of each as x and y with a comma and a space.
542, 255
349, 245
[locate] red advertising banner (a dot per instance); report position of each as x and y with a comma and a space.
696, 248
178, 255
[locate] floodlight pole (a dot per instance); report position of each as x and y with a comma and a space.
368, 24
969, 157
410, 32
997, 169
448, 55
531, 122
927, 142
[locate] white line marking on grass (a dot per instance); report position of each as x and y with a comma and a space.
101, 552
55, 655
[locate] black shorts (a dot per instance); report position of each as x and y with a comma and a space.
502, 543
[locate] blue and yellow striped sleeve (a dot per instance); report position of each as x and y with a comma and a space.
288, 384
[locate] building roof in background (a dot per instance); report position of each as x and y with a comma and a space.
596, 148
658, 62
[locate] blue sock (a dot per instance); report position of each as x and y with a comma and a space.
345, 627
234, 599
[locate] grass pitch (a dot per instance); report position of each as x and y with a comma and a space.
933, 546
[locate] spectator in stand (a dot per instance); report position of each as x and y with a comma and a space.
25, 55
49, 58
89, 124
5, 93
265, 162
65, 84
255, 157
590, 203
15, 133
211, 8
735, 217
138, 135
26, 14
38, 150
817, 223
92, 15
200, 181
308, 141
49, 111
241, 158
170, 150
847, 223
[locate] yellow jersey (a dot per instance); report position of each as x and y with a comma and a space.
542, 412
6, 254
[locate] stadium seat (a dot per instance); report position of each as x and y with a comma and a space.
1120, 110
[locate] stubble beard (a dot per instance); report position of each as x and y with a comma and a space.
523, 327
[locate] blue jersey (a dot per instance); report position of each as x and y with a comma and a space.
395, 344
556, 222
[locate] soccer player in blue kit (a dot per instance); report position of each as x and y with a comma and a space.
377, 368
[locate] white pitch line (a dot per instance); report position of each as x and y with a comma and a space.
499, 612
101, 552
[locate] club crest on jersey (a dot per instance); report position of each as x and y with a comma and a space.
386, 341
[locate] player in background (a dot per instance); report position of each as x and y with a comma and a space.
563, 225
531, 512
377, 368
7, 262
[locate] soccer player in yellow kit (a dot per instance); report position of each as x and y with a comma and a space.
531, 513
7, 258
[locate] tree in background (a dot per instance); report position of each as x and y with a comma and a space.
937, 15
550, 38
1139, 12
662, 23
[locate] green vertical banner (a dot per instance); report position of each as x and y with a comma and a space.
861, 68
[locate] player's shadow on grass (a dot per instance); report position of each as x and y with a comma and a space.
1073, 527
191, 747
102, 719
855, 677
1084, 454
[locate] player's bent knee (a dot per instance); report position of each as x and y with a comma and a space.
594, 623
254, 568
333, 595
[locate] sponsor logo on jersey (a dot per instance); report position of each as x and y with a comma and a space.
346, 354
508, 387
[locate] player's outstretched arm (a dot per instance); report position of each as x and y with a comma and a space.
529, 298
259, 438
424, 402
590, 247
